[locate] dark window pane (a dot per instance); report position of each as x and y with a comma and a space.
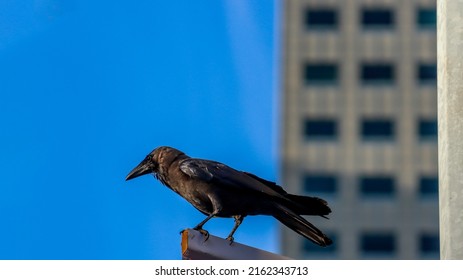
426, 18
379, 186
377, 130
377, 73
322, 18
429, 243
321, 73
377, 18
427, 73
320, 129
429, 186
378, 243
427, 129
310, 247
320, 183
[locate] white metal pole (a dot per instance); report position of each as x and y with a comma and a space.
450, 120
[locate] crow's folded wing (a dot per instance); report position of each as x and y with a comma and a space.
223, 175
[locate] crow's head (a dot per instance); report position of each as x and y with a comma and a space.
155, 162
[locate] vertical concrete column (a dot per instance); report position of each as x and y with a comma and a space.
450, 119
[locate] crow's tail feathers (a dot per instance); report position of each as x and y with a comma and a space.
295, 222
308, 205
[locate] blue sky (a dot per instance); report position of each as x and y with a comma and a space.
88, 88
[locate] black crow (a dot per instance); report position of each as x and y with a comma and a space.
218, 190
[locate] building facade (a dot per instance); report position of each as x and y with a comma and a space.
359, 125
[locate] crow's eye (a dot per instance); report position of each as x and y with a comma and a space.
149, 157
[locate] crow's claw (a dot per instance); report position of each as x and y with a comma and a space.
203, 232
231, 239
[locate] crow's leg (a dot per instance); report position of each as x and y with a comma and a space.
238, 220
199, 227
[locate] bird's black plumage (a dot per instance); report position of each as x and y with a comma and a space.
218, 190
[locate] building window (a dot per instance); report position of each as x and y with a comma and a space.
378, 129
377, 186
377, 73
321, 74
426, 18
429, 186
320, 129
427, 73
320, 183
310, 247
321, 19
380, 18
429, 243
427, 129
378, 243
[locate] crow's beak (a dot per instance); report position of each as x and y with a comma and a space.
142, 169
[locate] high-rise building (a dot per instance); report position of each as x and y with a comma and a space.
359, 125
